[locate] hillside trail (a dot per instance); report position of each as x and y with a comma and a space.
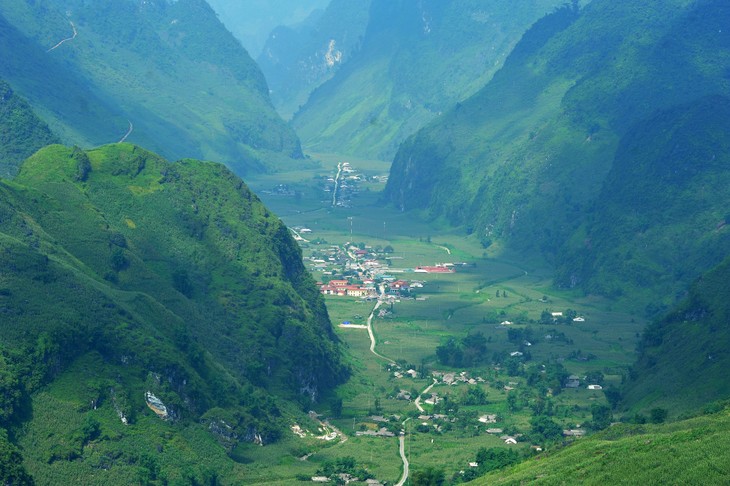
129, 132
67, 39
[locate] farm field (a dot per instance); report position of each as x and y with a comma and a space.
529, 330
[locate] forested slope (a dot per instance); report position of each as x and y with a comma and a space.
123, 276
570, 124
168, 71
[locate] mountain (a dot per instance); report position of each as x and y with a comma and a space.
531, 159
164, 74
660, 217
154, 316
21, 131
252, 21
298, 58
687, 452
683, 357
416, 60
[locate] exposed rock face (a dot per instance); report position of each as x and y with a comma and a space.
156, 405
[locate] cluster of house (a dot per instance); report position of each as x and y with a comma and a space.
452, 378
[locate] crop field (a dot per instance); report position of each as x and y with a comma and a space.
508, 301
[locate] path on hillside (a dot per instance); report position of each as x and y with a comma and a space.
445, 249
337, 183
129, 132
66, 39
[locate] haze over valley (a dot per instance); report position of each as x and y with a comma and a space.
370, 242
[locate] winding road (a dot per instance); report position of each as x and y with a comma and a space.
129, 132
417, 402
66, 39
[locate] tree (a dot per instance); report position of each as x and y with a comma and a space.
658, 415
336, 406
428, 477
544, 429
388, 249
602, 416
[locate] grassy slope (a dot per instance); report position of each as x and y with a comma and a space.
683, 357
523, 160
410, 70
172, 70
123, 273
22, 131
687, 452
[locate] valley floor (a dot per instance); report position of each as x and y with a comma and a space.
400, 396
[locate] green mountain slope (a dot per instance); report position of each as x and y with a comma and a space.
415, 61
123, 274
169, 71
660, 217
689, 452
683, 359
21, 131
522, 162
298, 58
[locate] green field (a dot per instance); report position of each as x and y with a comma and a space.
491, 288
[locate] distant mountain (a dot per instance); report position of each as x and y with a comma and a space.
168, 73
21, 131
298, 58
157, 311
415, 61
577, 132
252, 21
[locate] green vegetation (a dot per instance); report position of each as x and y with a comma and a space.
573, 141
155, 316
682, 365
169, 71
415, 60
687, 452
21, 133
299, 58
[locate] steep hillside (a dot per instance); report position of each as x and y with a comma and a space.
167, 72
21, 131
297, 59
690, 452
251, 21
415, 61
521, 163
155, 314
660, 218
684, 357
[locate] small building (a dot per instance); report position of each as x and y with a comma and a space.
572, 382
510, 441
595, 387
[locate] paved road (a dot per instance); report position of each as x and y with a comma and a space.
370, 328
418, 399
404, 477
